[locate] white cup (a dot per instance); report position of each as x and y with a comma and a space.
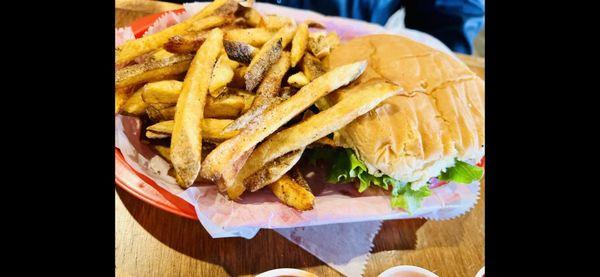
407, 271
291, 272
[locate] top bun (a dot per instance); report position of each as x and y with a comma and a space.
414, 136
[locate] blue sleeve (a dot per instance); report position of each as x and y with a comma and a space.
454, 22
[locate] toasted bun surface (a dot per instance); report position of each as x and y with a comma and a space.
440, 117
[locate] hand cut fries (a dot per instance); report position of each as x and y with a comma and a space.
299, 43
212, 129
152, 70
253, 36
294, 192
356, 102
222, 164
134, 48
186, 142
232, 120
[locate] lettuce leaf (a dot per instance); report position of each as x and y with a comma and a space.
462, 173
345, 167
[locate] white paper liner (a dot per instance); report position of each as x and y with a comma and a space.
315, 231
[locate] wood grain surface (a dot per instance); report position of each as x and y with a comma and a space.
152, 242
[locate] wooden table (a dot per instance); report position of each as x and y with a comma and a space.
151, 242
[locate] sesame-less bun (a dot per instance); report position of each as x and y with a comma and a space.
413, 137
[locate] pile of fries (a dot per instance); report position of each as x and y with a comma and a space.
225, 96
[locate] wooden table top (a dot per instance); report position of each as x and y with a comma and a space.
152, 242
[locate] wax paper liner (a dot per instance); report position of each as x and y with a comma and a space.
338, 209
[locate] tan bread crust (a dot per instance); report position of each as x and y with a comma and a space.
414, 138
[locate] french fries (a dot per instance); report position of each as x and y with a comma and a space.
134, 48
121, 96
299, 43
314, 24
152, 70
272, 171
222, 164
160, 112
311, 67
298, 80
229, 104
240, 51
135, 105
356, 101
266, 92
184, 44
186, 142
251, 16
163, 151
276, 22
321, 44
207, 23
261, 63
212, 129
294, 191
162, 92
253, 36
221, 75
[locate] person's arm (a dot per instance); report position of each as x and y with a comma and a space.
454, 22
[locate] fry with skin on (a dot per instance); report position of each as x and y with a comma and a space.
184, 44
314, 24
266, 92
240, 51
222, 164
186, 139
294, 191
134, 48
299, 43
229, 104
267, 55
152, 70
162, 92
212, 129
252, 17
253, 36
355, 102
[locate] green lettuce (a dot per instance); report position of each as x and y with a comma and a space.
462, 173
345, 167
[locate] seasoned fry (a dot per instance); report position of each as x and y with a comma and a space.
160, 112
184, 44
162, 92
266, 92
186, 142
299, 43
208, 22
212, 129
276, 22
261, 63
222, 164
298, 80
321, 43
254, 111
229, 104
294, 191
356, 101
135, 105
311, 67
221, 75
152, 70
134, 48
272, 171
252, 17
253, 36
240, 51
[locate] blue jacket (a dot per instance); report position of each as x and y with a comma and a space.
454, 22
